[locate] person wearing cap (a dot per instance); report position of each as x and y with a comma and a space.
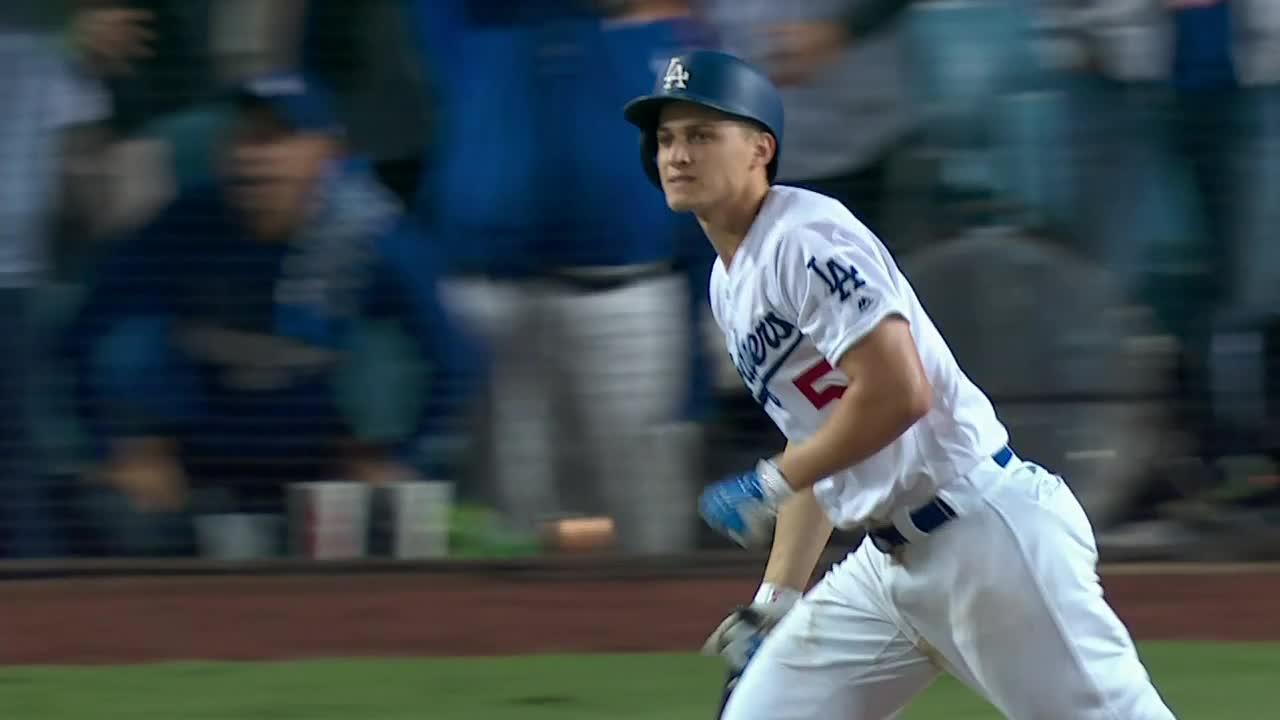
974, 559
586, 300
210, 343
54, 55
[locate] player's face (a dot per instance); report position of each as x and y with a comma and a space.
706, 158
271, 171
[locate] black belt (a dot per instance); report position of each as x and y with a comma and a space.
928, 518
609, 278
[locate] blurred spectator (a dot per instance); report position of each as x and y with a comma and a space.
1168, 93
209, 344
156, 64
152, 60
619, 336
251, 37
44, 94
840, 64
165, 98
565, 257
483, 194
364, 51
157, 52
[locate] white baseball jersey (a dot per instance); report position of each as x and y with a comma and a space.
808, 282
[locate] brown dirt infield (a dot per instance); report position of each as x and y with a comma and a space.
106, 619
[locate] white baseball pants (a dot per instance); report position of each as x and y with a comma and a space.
1005, 597
591, 381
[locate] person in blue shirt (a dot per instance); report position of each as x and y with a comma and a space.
624, 287
579, 275
208, 346
1172, 109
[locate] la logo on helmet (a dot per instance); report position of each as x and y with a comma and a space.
676, 76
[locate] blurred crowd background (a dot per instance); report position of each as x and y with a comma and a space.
247, 244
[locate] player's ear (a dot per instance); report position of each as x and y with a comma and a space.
765, 147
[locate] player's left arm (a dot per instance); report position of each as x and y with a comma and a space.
888, 392
848, 305
842, 294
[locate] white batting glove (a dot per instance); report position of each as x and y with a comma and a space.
740, 635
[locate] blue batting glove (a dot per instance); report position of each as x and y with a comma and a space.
744, 506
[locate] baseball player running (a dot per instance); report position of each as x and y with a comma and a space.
976, 562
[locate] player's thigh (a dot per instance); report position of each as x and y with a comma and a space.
626, 350
516, 425
836, 655
625, 363
511, 317
1031, 628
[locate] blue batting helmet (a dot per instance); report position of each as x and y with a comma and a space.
712, 79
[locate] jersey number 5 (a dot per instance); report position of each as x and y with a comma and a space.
807, 384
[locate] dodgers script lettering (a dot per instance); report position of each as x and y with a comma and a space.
754, 355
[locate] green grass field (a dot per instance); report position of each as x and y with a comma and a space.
1199, 681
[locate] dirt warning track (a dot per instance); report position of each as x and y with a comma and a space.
120, 619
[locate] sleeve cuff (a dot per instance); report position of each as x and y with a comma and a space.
853, 336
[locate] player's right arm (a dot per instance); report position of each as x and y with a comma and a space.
800, 536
